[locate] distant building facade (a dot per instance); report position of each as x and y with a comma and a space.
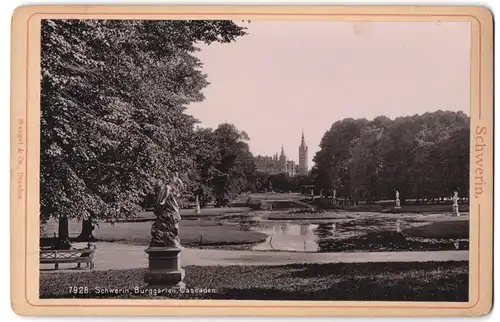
291, 168
266, 164
281, 164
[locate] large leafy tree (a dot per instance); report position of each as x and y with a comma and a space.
223, 165
330, 170
205, 160
113, 98
366, 164
235, 169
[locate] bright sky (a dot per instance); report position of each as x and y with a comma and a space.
287, 76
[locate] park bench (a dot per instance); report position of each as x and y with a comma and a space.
79, 256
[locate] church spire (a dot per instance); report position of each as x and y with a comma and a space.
303, 155
282, 160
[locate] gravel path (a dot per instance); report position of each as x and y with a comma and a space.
125, 256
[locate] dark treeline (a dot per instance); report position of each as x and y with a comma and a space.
279, 182
421, 156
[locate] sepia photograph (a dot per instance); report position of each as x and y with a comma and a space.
255, 160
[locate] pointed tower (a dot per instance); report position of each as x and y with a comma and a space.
282, 161
303, 156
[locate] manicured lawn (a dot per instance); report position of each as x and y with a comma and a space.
304, 215
285, 205
430, 281
444, 235
191, 214
445, 229
390, 241
411, 208
271, 196
192, 233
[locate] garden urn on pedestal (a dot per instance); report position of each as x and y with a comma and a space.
164, 249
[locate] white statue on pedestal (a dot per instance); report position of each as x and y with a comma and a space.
334, 194
455, 204
398, 203
198, 210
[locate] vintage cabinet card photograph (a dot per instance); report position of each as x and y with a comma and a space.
252, 160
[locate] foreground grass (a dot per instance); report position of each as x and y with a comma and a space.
430, 281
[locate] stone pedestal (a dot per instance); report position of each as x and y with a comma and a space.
455, 211
398, 204
164, 268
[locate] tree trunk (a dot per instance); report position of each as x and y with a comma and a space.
63, 230
86, 233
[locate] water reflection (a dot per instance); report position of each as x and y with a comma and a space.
364, 234
325, 230
295, 236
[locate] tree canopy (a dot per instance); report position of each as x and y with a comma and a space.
113, 98
421, 156
224, 165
